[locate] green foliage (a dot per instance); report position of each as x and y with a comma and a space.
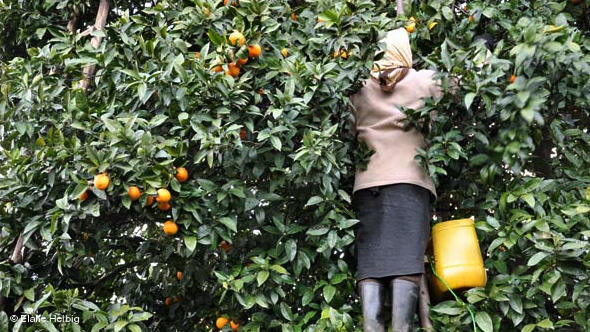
513, 155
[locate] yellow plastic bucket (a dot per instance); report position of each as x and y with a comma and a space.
457, 257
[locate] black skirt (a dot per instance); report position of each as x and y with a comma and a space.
393, 231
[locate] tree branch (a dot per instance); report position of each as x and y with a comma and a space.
107, 276
73, 20
99, 24
16, 258
17, 254
400, 7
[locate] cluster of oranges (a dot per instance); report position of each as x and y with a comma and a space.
163, 197
169, 300
236, 38
101, 182
222, 322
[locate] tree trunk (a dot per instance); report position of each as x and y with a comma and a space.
424, 305
542, 157
99, 24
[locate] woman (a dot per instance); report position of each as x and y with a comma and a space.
392, 196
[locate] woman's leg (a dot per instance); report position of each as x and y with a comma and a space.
404, 297
372, 293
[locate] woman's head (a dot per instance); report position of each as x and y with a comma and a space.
396, 61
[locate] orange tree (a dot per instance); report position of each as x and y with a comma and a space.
249, 98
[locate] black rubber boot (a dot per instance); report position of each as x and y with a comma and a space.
372, 293
404, 296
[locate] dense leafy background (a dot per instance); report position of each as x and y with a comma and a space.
515, 156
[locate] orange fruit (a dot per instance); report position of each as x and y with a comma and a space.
164, 206
237, 37
168, 301
340, 53
197, 55
242, 62
218, 69
285, 52
149, 200
179, 275
163, 196
101, 181
411, 27
207, 12
170, 227
512, 78
134, 193
234, 325
221, 322
181, 174
470, 18
293, 17
243, 134
83, 196
261, 91
225, 246
234, 3
233, 70
320, 20
254, 50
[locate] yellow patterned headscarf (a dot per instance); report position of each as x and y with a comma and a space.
396, 61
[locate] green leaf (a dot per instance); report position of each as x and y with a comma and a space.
528, 328
134, 328
79, 190
527, 113
529, 199
120, 324
291, 249
447, 13
536, 258
229, 223
448, 308
157, 120
190, 242
329, 16
215, 38
314, 200
484, 321
469, 98
279, 269
545, 323
286, 311
261, 277
318, 230
276, 142
329, 292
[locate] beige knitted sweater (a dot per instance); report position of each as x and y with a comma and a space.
378, 123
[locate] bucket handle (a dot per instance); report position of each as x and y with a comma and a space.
461, 303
